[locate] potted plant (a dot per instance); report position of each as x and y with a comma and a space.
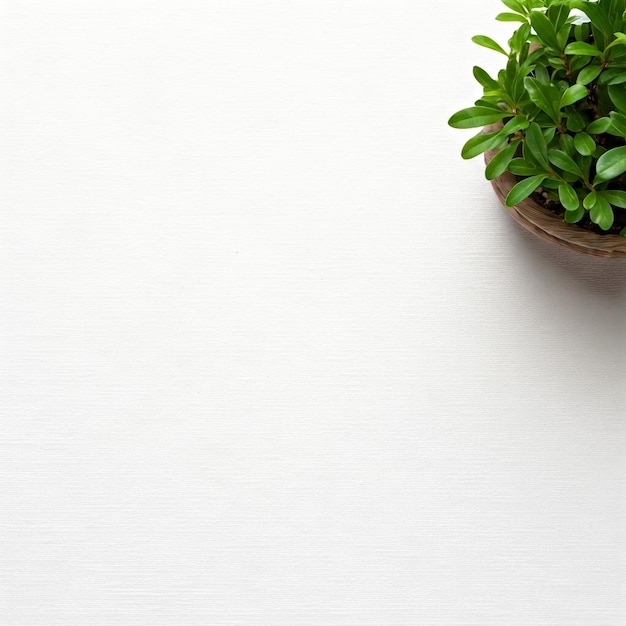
554, 122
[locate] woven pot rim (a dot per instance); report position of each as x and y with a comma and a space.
542, 222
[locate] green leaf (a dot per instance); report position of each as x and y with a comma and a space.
615, 197
563, 33
599, 126
542, 75
544, 29
608, 75
622, 232
618, 124
611, 164
473, 117
584, 143
510, 17
558, 14
571, 217
517, 43
514, 124
564, 161
588, 74
523, 189
585, 164
485, 80
510, 76
481, 143
617, 93
514, 5
573, 94
568, 197
576, 64
551, 183
497, 166
556, 62
590, 200
581, 31
546, 97
575, 121
548, 134
488, 42
580, 48
566, 142
521, 167
601, 213
482, 102
599, 19
600, 150
618, 79
536, 144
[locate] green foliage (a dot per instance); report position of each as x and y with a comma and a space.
556, 113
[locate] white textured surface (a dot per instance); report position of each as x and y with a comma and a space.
272, 354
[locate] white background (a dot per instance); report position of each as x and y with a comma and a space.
272, 353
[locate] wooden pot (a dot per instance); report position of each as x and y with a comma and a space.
535, 218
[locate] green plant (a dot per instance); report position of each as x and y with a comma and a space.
560, 103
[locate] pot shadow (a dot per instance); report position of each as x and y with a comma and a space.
605, 277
